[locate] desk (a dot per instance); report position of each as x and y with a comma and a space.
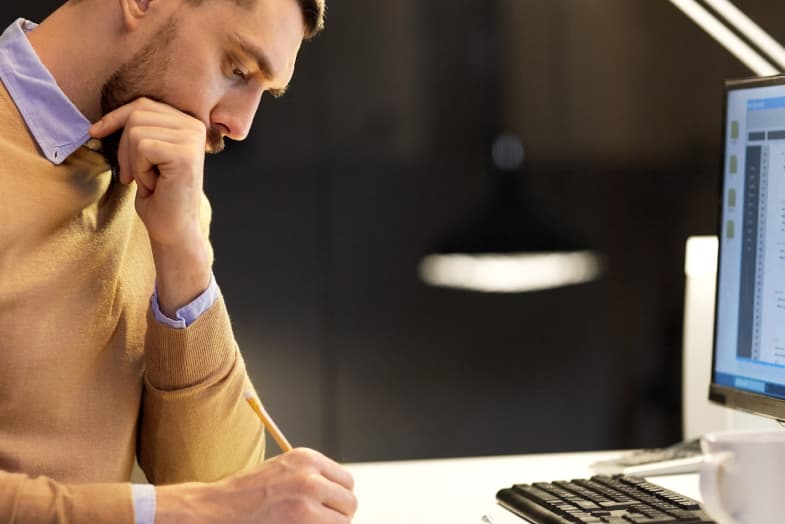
460, 491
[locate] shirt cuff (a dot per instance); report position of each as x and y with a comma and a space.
189, 313
144, 503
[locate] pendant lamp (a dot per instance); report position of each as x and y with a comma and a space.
506, 246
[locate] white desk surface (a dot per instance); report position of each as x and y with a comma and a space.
461, 491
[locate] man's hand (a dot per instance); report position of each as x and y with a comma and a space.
162, 150
298, 487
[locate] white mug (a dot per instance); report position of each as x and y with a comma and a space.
742, 479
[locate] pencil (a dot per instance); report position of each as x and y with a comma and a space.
268, 422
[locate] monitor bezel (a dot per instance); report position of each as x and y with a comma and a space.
750, 402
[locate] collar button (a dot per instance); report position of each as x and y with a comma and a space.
94, 145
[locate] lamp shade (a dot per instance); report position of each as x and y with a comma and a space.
506, 246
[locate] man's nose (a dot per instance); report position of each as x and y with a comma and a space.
236, 115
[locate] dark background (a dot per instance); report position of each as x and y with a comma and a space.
381, 147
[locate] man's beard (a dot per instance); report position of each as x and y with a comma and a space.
141, 77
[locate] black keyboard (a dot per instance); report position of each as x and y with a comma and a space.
614, 499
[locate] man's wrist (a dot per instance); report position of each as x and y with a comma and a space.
182, 273
178, 503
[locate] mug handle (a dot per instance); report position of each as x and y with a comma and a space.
713, 467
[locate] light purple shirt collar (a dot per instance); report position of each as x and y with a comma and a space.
57, 125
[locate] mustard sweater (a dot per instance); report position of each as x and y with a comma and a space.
88, 378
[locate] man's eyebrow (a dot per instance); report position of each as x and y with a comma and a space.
262, 62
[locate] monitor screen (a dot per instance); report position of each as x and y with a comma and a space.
748, 370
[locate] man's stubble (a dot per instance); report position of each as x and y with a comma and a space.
144, 76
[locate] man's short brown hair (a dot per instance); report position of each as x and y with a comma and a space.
313, 13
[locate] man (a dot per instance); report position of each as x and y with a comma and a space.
93, 371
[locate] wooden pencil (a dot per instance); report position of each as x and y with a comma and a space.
268, 422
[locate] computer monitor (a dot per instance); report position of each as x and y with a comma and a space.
748, 369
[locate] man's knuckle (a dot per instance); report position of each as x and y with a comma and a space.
308, 454
297, 456
134, 134
143, 144
309, 486
134, 119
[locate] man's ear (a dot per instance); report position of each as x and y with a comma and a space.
133, 12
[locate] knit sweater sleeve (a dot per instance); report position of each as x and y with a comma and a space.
41, 500
195, 424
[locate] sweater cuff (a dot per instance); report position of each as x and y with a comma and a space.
101, 502
201, 354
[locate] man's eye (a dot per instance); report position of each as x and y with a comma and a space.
239, 73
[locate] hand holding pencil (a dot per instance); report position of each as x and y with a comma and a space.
300, 486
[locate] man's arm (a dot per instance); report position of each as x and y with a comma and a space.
299, 487
195, 424
41, 500
162, 150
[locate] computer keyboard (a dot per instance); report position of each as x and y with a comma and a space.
614, 499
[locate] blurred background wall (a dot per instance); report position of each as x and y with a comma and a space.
382, 146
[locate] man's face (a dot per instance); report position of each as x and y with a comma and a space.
214, 62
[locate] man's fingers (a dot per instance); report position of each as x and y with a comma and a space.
165, 120
326, 466
330, 516
141, 161
143, 111
339, 499
136, 134
149, 153
113, 121
133, 158
337, 473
